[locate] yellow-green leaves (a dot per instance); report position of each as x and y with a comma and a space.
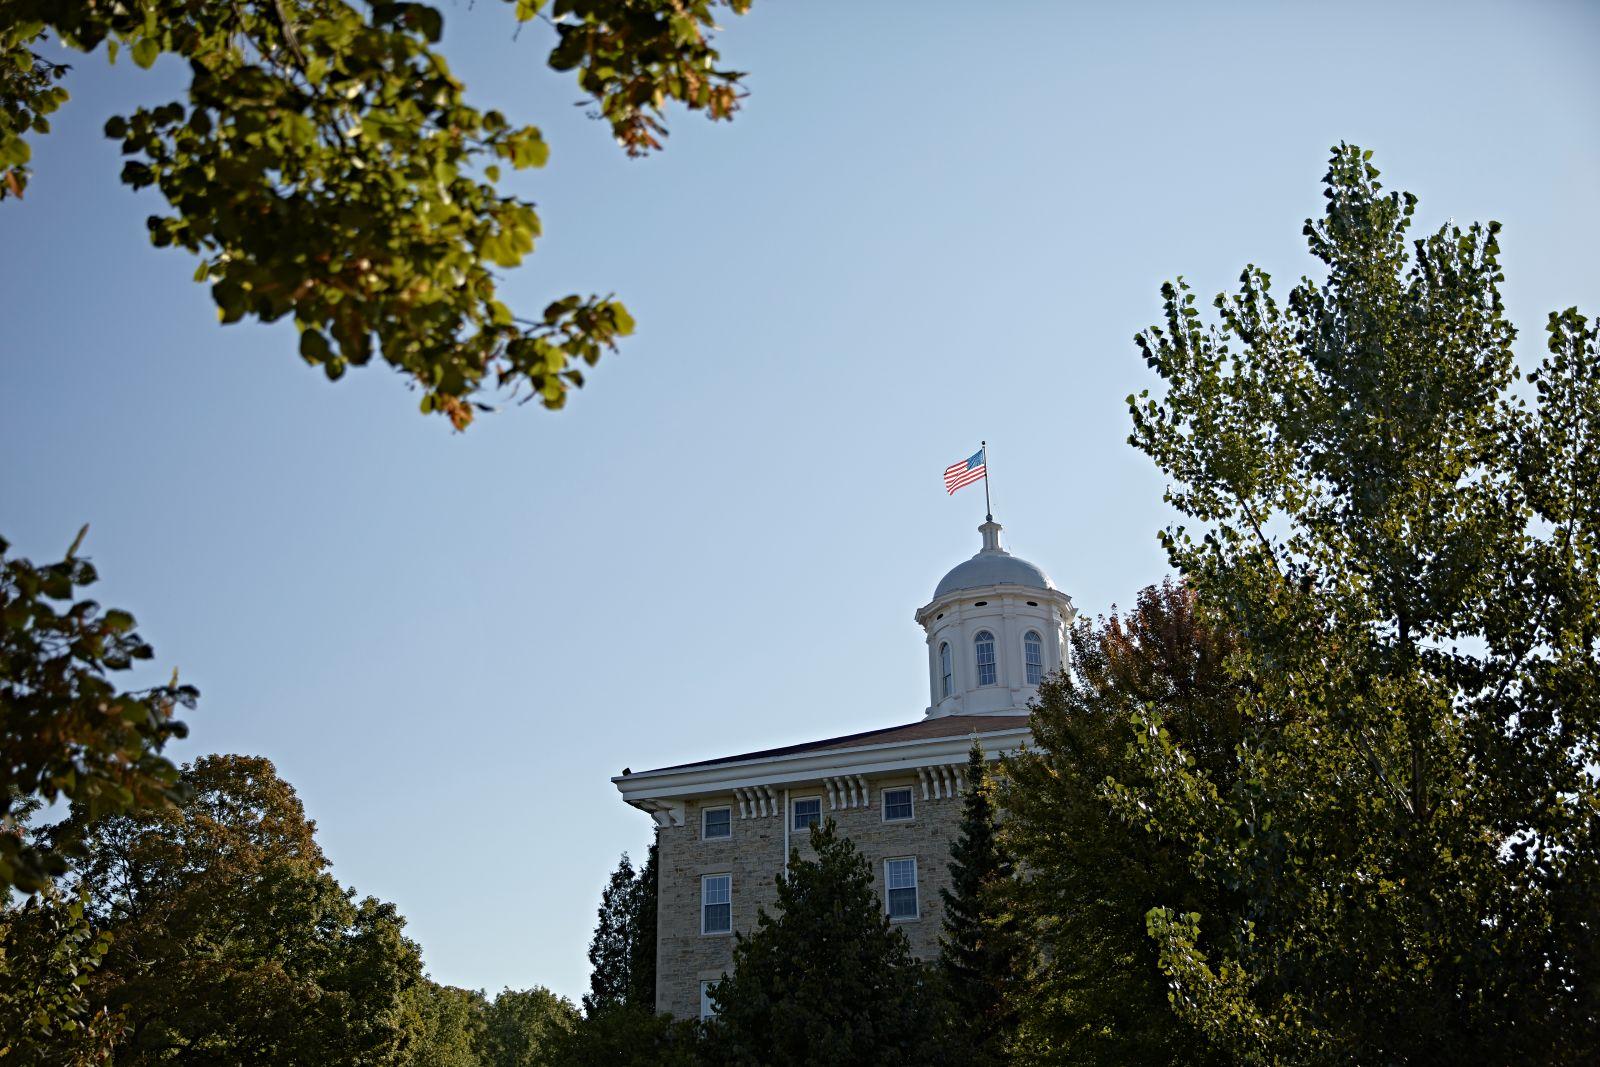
144, 52
328, 168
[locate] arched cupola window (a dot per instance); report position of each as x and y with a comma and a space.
983, 644
1033, 656
946, 674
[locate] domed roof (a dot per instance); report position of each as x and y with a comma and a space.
992, 565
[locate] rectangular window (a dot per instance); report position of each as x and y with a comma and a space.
901, 878
716, 823
707, 1009
716, 904
896, 804
807, 813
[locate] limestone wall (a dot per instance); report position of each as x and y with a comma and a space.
754, 857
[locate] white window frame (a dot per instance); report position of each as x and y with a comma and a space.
1027, 667
705, 879
915, 887
911, 800
707, 811
794, 813
947, 670
707, 1009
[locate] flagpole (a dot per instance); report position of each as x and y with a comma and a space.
988, 515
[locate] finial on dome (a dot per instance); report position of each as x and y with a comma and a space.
991, 536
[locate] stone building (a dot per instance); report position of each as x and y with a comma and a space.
995, 626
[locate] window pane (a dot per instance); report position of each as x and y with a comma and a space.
902, 873
944, 669
719, 822
719, 918
897, 803
718, 889
707, 1010
1033, 655
903, 903
807, 813
984, 644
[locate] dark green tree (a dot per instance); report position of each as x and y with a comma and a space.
1096, 993
614, 948
1407, 548
230, 940
824, 978
628, 1036
525, 1027
326, 167
983, 959
642, 965
66, 728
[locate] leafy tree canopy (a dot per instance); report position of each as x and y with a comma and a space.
66, 728
327, 167
230, 941
1409, 555
628, 1036
444, 1025
524, 1027
1097, 994
48, 951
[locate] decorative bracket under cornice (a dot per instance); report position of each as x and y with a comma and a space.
942, 780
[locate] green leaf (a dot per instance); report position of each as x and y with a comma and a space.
145, 50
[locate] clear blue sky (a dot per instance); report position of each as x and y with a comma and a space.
933, 222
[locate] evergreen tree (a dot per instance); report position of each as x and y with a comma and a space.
825, 978
642, 965
613, 950
982, 958
1096, 993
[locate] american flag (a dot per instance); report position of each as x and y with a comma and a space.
965, 472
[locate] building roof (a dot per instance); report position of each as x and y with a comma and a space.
921, 730
992, 565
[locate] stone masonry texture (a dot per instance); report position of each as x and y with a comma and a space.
754, 856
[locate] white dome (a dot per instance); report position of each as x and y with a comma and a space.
992, 565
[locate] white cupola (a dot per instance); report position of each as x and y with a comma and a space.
995, 627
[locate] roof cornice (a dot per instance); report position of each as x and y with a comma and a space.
812, 765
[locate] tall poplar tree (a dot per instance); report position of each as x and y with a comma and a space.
1407, 547
982, 958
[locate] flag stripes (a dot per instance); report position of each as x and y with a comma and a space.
965, 472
